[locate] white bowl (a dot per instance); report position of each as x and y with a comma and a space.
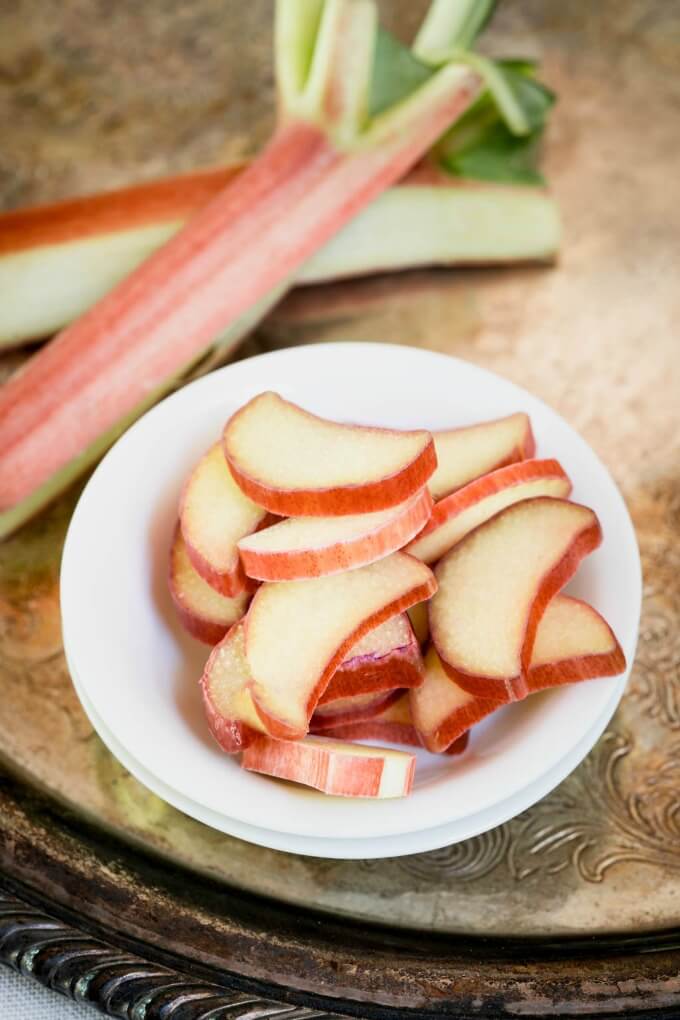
138, 670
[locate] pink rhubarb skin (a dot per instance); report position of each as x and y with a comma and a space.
401, 666
157, 321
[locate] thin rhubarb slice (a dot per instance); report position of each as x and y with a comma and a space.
227, 700
333, 767
203, 612
385, 658
303, 547
330, 155
495, 585
214, 515
299, 632
296, 464
573, 643
465, 509
74, 252
442, 710
464, 454
357, 708
393, 724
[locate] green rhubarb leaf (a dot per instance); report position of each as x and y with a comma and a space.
498, 156
483, 146
397, 73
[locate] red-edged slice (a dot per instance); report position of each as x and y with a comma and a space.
385, 658
573, 643
494, 587
205, 613
303, 547
456, 515
298, 465
394, 725
225, 685
299, 632
350, 710
441, 710
344, 770
214, 515
464, 454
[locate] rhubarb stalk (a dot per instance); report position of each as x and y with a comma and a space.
328, 158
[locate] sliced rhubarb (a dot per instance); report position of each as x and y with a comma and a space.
333, 767
73, 252
573, 643
456, 515
214, 515
329, 157
495, 585
385, 658
206, 614
304, 547
225, 685
443, 711
464, 454
299, 632
393, 724
357, 708
294, 463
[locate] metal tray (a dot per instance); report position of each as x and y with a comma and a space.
572, 908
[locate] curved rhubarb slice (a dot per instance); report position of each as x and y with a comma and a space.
385, 658
573, 643
225, 686
494, 587
393, 724
298, 632
456, 515
202, 611
343, 770
298, 465
214, 515
358, 708
464, 454
303, 547
442, 711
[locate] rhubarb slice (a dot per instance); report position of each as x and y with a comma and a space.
201, 610
333, 767
214, 515
464, 454
305, 547
385, 658
225, 686
494, 587
357, 708
458, 514
573, 643
299, 632
443, 711
329, 157
296, 464
393, 724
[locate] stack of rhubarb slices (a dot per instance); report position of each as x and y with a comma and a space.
360, 583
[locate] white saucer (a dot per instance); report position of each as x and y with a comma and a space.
359, 849
138, 670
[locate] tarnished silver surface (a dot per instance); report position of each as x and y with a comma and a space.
88, 102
